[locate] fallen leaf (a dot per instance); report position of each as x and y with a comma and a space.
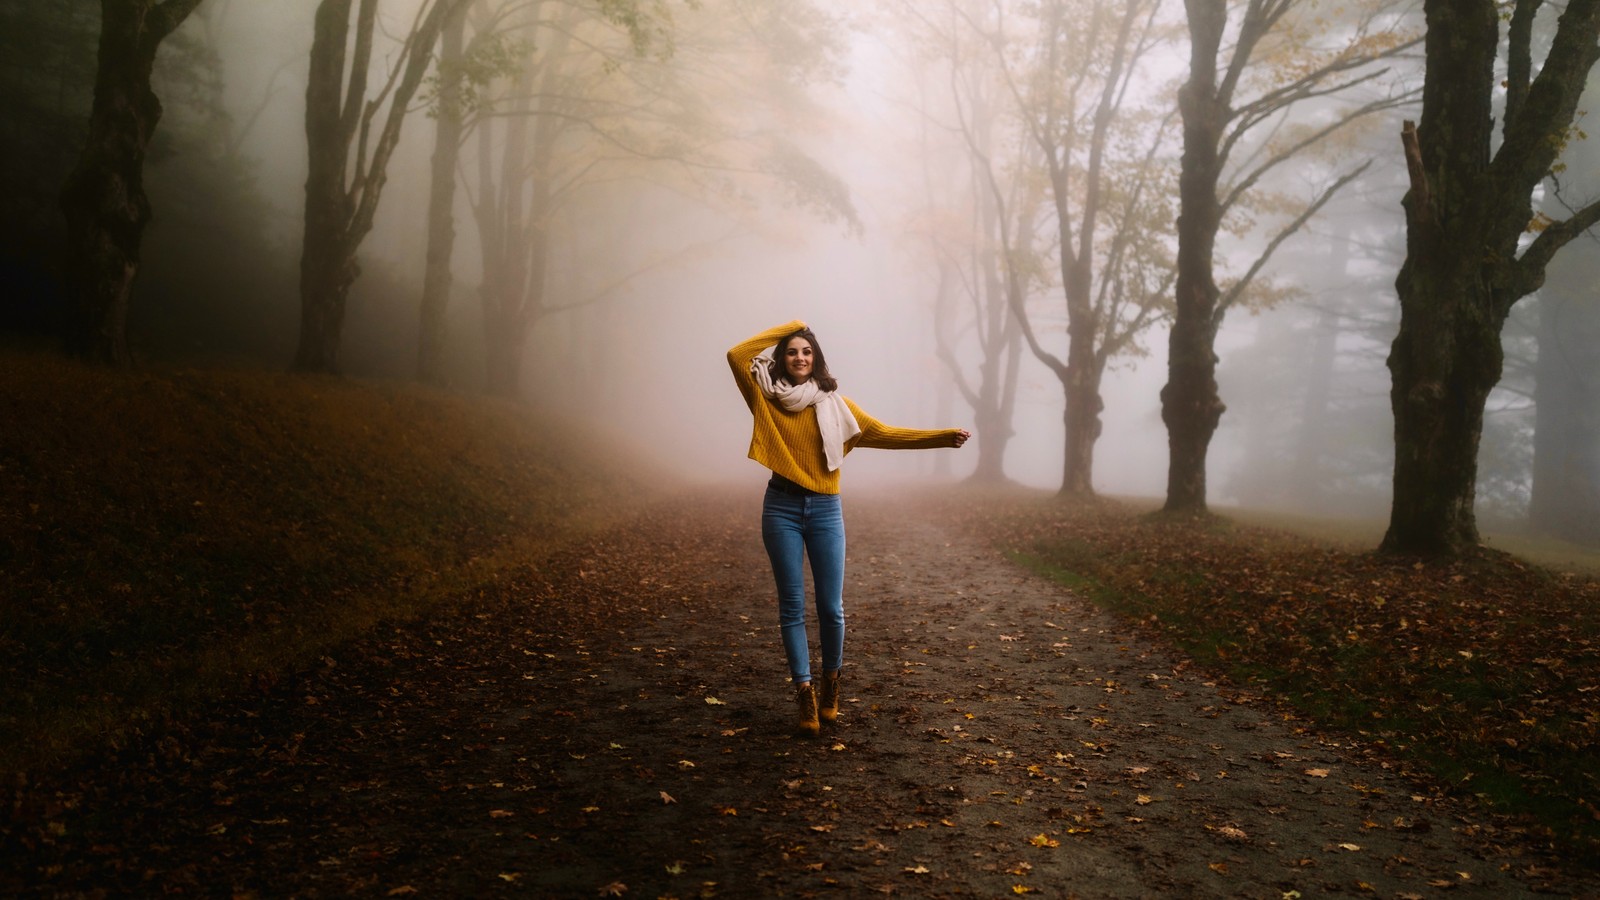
1043, 840
1317, 773
916, 870
1351, 847
510, 877
714, 702
667, 798
614, 889
501, 813
1143, 800
1221, 868
401, 891
676, 868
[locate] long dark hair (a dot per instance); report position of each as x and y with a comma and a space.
819, 363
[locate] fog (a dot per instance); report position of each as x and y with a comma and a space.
660, 260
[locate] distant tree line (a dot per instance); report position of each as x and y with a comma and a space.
1092, 194
1069, 172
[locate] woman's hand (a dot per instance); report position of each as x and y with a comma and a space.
960, 437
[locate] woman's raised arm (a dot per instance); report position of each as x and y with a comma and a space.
740, 354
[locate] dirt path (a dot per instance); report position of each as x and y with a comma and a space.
617, 724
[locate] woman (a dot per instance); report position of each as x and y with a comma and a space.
803, 429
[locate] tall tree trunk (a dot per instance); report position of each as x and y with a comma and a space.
1082, 418
327, 261
1566, 444
1565, 500
103, 198
437, 276
1443, 364
1467, 212
1306, 475
348, 161
1190, 404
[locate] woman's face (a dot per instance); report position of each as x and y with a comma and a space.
797, 360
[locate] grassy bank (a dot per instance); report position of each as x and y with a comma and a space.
169, 535
1483, 672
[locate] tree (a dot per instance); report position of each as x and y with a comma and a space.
958, 222
1102, 160
1468, 210
1217, 121
104, 199
1565, 501
347, 162
449, 125
1067, 166
606, 99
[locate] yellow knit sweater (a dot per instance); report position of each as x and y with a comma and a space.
790, 444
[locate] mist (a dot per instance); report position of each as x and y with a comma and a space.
789, 168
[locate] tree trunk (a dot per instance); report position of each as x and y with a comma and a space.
327, 262
504, 341
340, 206
437, 277
1467, 212
1190, 404
1566, 443
1565, 500
1443, 364
1082, 419
327, 271
103, 199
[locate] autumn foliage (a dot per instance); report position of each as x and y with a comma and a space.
171, 534
1482, 671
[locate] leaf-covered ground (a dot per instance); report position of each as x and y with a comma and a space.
1483, 672
614, 722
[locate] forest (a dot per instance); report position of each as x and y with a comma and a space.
484, 205
337, 331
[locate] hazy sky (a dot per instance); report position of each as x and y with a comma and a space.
661, 373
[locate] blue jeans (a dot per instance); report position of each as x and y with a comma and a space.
794, 526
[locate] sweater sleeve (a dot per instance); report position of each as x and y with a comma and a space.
879, 436
740, 355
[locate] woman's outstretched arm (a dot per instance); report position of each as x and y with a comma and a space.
879, 436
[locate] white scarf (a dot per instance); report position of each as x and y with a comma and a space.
834, 419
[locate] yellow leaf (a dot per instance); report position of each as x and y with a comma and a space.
1317, 773
1351, 847
917, 870
1021, 889
676, 868
1221, 868
1143, 800
667, 798
510, 877
712, 701
1043, 840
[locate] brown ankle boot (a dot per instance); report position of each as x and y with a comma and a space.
828, 701
806, 698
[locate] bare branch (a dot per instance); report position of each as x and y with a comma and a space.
1233, 293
